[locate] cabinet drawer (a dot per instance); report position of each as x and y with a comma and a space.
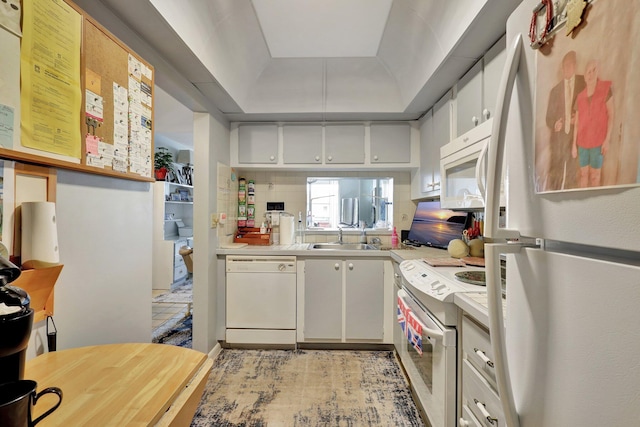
468, 419
178, 261
179, 273
476, 347
177, 245
479, 396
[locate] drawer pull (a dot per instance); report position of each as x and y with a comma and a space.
464, 423
485, 413
484, 357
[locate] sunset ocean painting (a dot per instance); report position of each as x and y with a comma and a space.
436, 227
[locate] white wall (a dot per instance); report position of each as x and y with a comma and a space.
103, 294
211, 146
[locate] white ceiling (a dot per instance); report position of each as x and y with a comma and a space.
322, 28
311, 60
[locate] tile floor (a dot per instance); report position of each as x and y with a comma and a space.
164, 311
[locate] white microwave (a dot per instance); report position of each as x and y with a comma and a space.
463, 170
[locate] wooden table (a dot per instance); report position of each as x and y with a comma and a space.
121, 384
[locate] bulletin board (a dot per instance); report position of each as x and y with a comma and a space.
115, 120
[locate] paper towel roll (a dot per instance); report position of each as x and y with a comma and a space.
39, 232
287, 230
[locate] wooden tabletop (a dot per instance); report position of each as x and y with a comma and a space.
117, 384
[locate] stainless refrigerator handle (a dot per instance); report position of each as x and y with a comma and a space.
492, 231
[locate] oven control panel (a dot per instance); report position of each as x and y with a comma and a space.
424, 279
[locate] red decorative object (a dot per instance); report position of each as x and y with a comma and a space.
161, 174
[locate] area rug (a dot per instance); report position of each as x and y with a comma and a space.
306, 388
179, 334
182, 294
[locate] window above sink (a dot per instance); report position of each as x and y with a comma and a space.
349, 202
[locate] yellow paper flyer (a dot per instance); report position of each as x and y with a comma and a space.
50, 73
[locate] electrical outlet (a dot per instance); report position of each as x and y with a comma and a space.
214, 220
222, 218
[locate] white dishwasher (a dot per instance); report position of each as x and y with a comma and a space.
261, 299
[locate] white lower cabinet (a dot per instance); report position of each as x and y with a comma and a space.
343, 300
480, 405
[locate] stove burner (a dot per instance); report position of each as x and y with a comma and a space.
474, 277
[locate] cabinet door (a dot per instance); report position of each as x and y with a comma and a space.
344, 144
364, 318
429, 157
323, 299
257, 143
469, 100
302, 144
390, 143
442, 120
494, 61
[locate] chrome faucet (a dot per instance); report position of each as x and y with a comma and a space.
339, 234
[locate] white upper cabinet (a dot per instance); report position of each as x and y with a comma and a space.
442, 116
435, 131
302, 144
494, 61
257, 144
390, 143
328, 146
477, 90
469, 100
344, 144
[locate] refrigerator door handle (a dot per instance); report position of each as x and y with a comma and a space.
495, 158
492, 253
481, 173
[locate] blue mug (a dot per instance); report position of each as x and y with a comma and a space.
17, 399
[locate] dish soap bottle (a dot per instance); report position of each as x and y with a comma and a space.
394, 239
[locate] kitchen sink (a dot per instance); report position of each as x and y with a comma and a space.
343, 246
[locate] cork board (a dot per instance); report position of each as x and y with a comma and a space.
122, 149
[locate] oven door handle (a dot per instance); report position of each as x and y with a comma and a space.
427, 332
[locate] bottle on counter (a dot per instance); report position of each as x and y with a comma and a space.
394, 239
300, 230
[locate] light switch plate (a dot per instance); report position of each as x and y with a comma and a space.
214, 220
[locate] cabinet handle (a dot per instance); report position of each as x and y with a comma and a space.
464, 423
336, 266
436, 184
396, 275
317, 158
484, 411
350, 266
486, 113
272, 158
474, 120
483, 356
329, 158
375, 158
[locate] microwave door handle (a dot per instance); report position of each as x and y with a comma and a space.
495, 234
481, 172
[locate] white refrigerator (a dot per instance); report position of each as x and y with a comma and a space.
568, 348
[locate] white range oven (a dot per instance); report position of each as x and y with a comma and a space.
425, 336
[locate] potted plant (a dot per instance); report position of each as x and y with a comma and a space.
163, 163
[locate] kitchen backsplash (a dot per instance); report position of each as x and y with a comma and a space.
291, 188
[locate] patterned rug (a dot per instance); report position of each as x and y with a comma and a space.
178, 334
306, 388
182, 294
